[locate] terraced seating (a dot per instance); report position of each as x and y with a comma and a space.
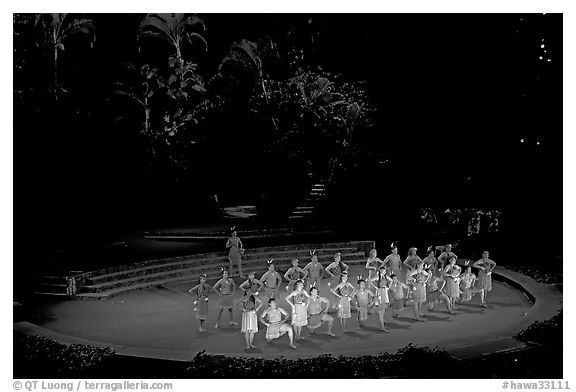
116, 280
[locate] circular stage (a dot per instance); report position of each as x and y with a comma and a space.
160, 322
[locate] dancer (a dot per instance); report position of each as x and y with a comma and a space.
251, 286
451, 274
201, 301
315, 271
486, 267
271, 280
445, 256
373, 263
250, 307
70, 286
317, 314
397, 295
392, 262
364, 300
236, 250
293, 275
420, 277
298, 299
435, 293
431, 262
335, 270
412, 260
225, 288
467, 280
276, 327
344, 292
382, 301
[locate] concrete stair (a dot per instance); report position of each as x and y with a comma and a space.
109, 282
307, 209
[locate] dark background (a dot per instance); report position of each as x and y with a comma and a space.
455, 94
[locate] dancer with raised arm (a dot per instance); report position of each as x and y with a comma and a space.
452, 274
236, 249
430, 262
271, 280
314, 270
435, 293
398, 292
420, 277
381, 282
393, 262
225, 288
486, 266
344, 292
298, 299
412, 261
317, 314
335, 271
293, 275
445, 256
250, 307
276, 326
373, 264
200, 291
251, 286
364, 300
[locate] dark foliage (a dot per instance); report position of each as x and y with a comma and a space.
547, 332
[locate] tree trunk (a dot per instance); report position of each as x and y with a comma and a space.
56, 72
147, 128
268, 103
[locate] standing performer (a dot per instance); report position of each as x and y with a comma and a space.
315, 271
373, 264
431, 262
236, 250
344, 292
397, 295
467, 280
419, 296
364, 300
435, 293
201, 301
276, 327
250, 307
251, 286
335, 270
451, 274
382, 301
316, 314
293, 275
298, 299
225, 288
271, 280
412, 260
392, 262
486, 267
445, 256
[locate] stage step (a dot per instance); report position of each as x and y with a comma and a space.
307, 209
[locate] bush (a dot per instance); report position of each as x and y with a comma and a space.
41, 357
547, 332
410, 361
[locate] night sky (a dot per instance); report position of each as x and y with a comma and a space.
459, 98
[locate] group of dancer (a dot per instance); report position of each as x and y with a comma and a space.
390, 285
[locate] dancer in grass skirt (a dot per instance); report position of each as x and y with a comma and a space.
298, 299
381, 284
293, 275
430, 262
271, 280
335, 270
235, 252
393, 262
373, 264
411, 262
344, 291
314, 270
435, 293
484, 283
420, 277
275, 325
397, 293
225, 288
250, 307
445, 256
251, 286
200, 291
467, 280
364, 301
452, 276
318, 314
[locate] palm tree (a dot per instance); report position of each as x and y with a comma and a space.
178, 30
56, 28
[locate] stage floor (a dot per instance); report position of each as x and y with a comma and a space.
162, 320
